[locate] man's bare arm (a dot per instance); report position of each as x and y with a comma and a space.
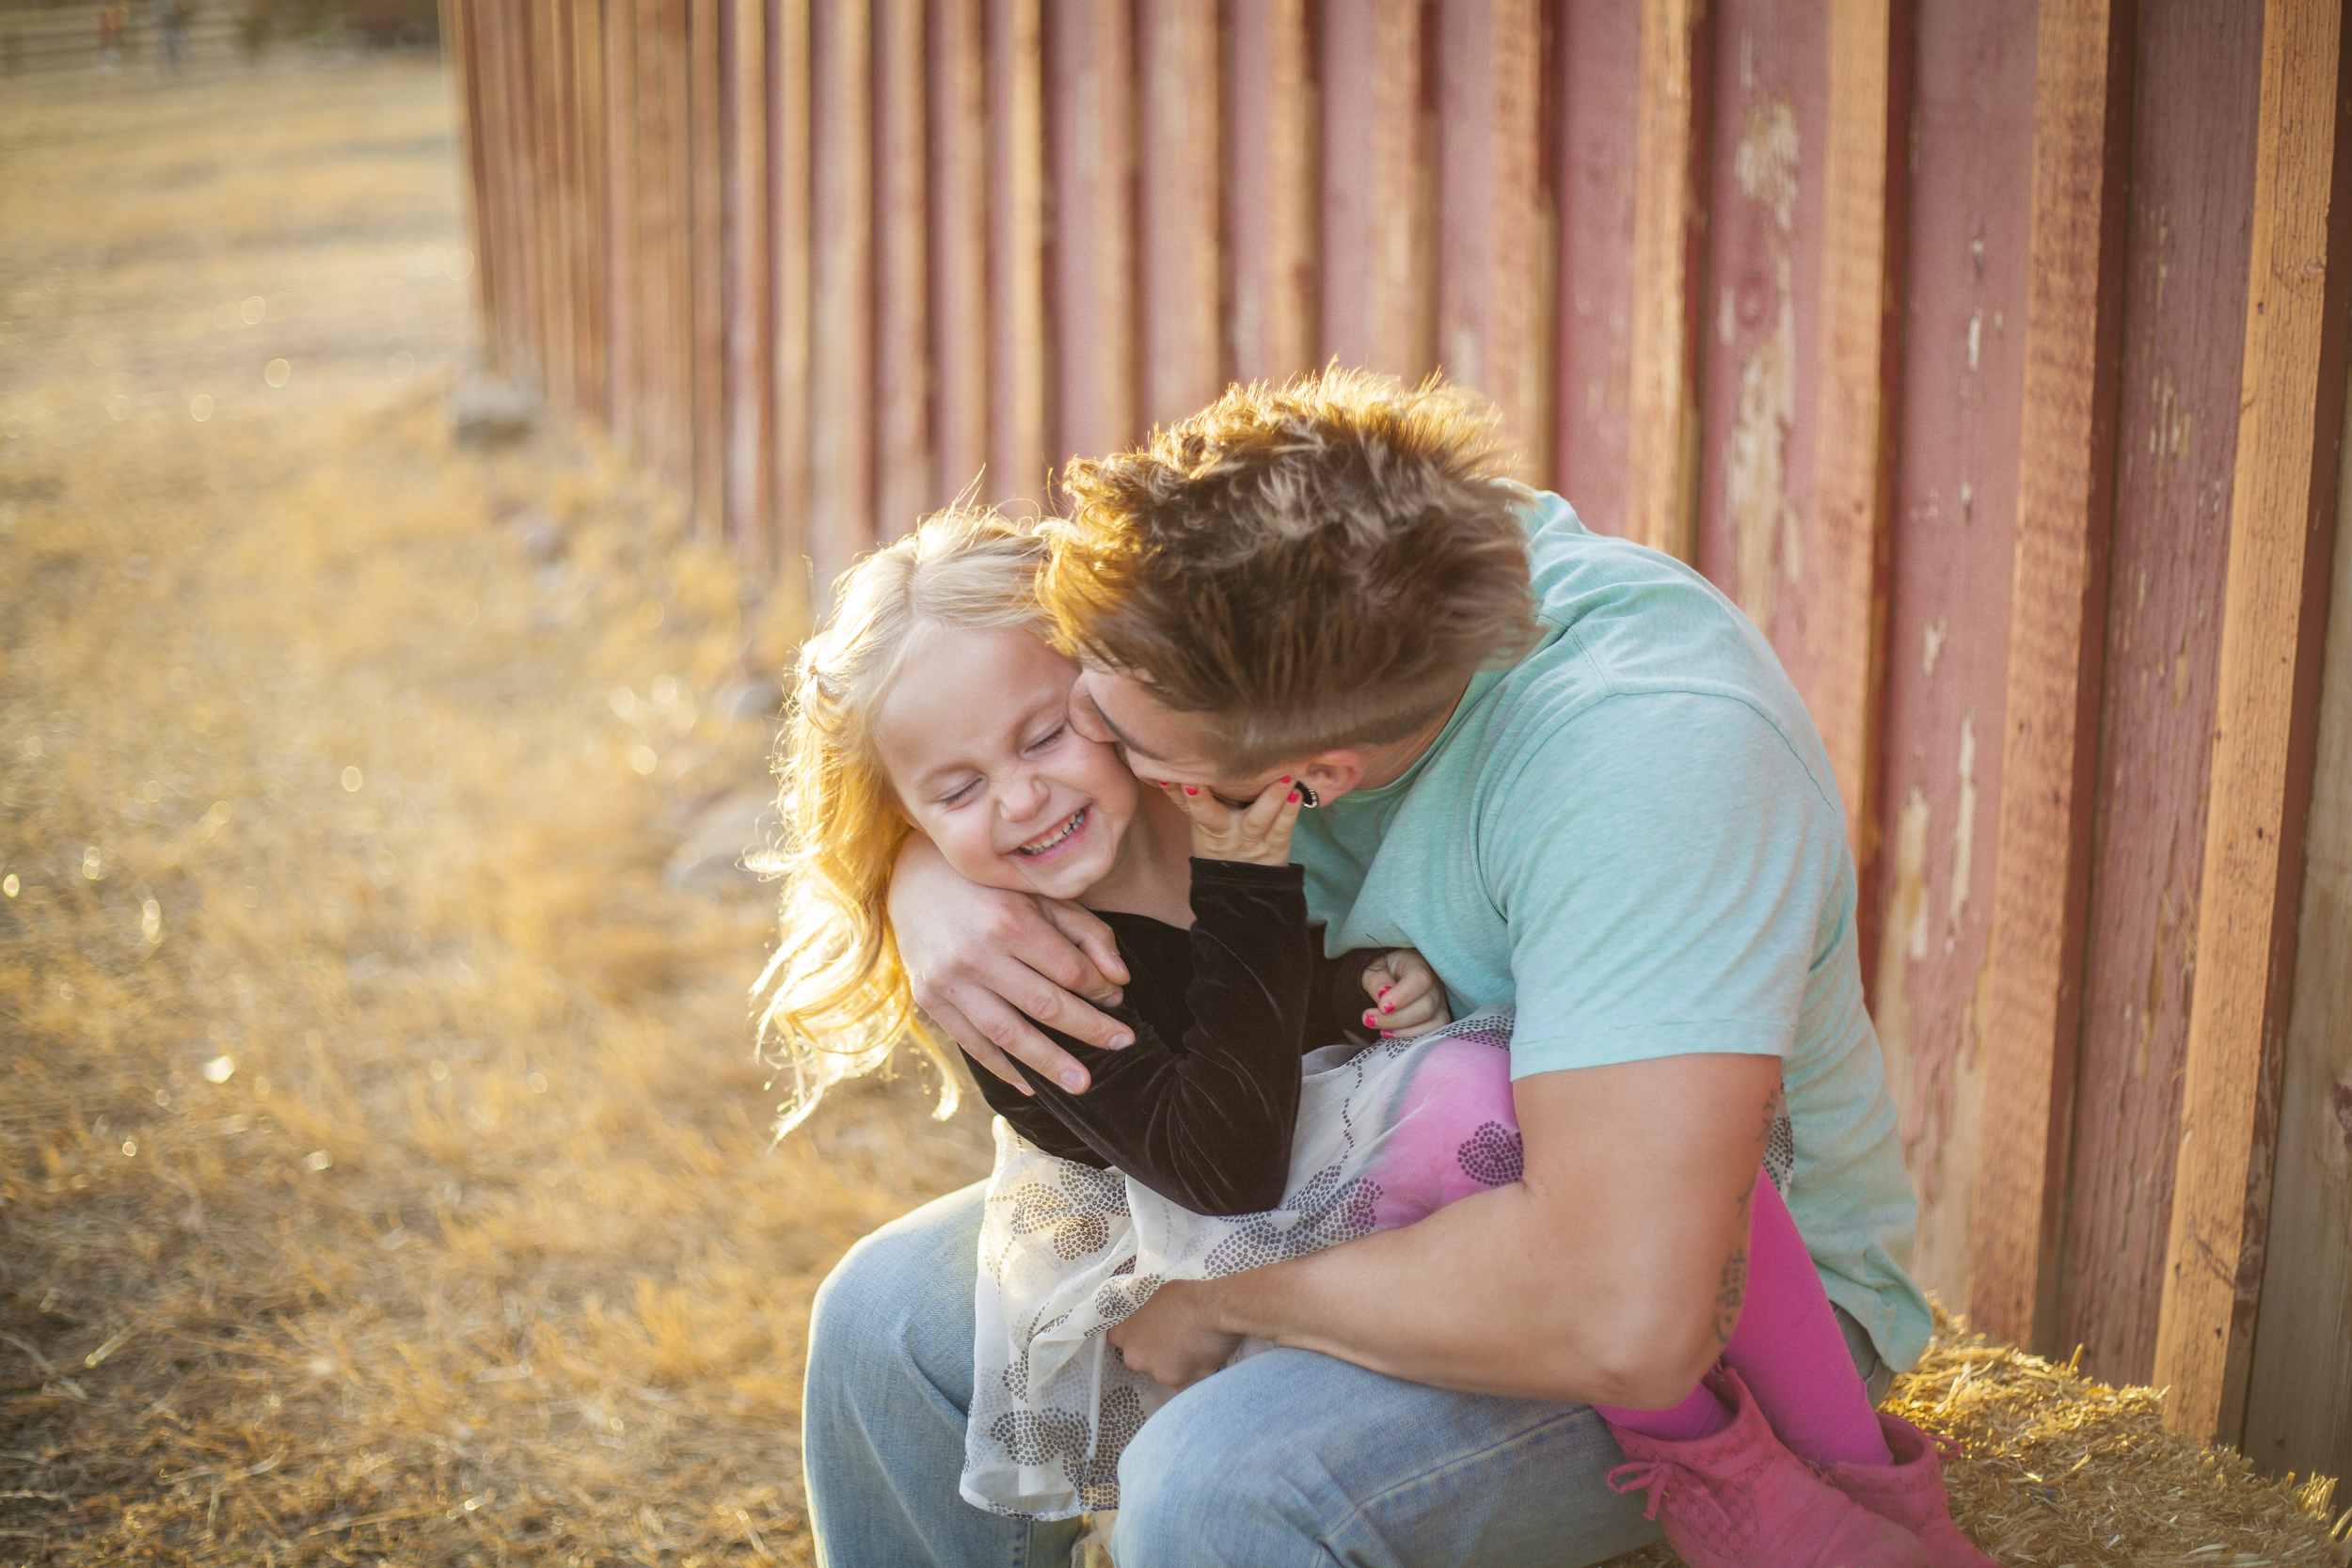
1612, 1273
984, 963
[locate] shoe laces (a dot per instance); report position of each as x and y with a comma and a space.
1656, 1475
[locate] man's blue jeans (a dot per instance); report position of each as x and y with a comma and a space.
1289, 1458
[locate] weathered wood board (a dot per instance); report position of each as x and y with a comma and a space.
1948, 640
2199, 80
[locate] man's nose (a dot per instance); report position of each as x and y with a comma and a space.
1084, 716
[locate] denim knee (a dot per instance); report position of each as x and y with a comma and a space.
899, 1303
1190, 1493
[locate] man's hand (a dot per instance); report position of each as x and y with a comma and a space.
983, 964
1173, 1337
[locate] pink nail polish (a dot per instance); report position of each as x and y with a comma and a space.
1370, 1017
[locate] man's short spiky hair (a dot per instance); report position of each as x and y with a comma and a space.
1306, 567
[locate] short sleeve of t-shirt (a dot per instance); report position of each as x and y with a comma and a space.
1663, 860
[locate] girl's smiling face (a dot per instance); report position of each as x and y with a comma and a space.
975, 738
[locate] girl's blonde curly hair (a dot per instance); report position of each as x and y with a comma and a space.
836, 998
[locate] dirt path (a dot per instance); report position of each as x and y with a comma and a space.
384, 1170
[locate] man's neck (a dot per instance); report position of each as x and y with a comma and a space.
1392, 760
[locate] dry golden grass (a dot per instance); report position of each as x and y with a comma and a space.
384, 1171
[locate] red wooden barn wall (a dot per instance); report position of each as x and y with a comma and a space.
1922, 331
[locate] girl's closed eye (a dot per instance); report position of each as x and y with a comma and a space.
1048, 738
961, 793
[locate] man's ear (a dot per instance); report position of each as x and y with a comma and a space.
1332, 774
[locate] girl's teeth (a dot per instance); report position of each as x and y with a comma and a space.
1066, 829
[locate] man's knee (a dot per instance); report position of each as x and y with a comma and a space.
1197, 1487
902, 1298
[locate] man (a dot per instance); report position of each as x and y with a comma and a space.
1572, 775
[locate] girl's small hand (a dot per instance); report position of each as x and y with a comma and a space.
1406, 998
1258, 833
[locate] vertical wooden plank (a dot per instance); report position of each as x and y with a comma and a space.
789, 126
657, 214
2282, 526
2196, 101
1378, 189
959, 249
2073, 313
1597, 64
1270, 186
1760, 376
1019, 325
1669, 230
681, 361
592, 239
624, 368
463, 50
1491, 215
1851, 548
1960, 417
749, 311
1091, 130
2298, 1410
551, 77
707, 257
1182, 120
841, 287
902, 390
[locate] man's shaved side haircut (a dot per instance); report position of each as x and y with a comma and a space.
1305, 567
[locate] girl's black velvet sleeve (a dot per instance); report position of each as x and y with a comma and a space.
1202, 1106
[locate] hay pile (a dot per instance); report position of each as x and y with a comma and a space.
2057, 1469
384, 1173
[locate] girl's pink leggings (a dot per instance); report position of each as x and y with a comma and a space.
1456, 1132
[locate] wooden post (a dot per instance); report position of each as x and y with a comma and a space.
1490, 217
749, 312
1377, 178
592, 235
959, 249
1092, 124
2074, 323
1853, 473
789, 121
1669, 241
903, 484
1597, 76
2282, 526
2298, 1406
1181, 363
1270, 186
1019, 343
706, 250
623, 368
841, 372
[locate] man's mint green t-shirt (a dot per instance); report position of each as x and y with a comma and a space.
1634, 836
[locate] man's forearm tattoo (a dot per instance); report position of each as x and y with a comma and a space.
1731, 1285
1730, 1292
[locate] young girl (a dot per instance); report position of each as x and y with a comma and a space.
1216, 1141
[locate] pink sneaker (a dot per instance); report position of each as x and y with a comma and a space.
1910, 1491
1740, 1499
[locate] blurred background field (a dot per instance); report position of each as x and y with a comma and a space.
385, 1172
